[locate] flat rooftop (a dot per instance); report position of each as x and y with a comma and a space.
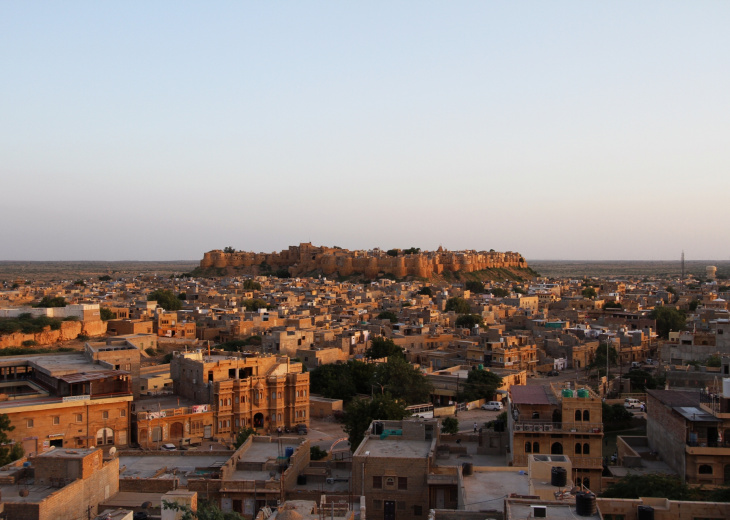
161, 403
147, 466
67, 453
395, 446
488, 489
36, 493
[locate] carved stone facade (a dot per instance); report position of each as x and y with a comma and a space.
306, 258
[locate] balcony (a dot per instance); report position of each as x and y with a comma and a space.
551, 427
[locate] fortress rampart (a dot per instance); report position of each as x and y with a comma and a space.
306, 258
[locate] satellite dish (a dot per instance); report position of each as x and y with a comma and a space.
112, 451
23, 493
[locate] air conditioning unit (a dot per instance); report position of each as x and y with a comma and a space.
528, 427
538, 427
548, 427
518, 427
539, 511
330, 481
195, 381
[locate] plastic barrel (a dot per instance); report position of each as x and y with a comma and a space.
583, 393
558, 476
288, 452
468, 469
567, 392
585, 504
301, 480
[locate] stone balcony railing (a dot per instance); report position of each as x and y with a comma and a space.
543, 426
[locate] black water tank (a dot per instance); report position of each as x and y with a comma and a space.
467, 469
378, 427
645, 513
301, 480
585, 504
498, 426
558, 476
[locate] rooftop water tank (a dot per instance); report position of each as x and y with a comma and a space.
583, 393
567, 392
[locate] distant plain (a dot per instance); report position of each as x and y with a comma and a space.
74, 270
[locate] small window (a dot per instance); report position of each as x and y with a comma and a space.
586, 416
417, 510
122, 413
79, 417
29, 423
105, 414
704, 469
377, 482
56, 420
586, 449
577, 415
402, 482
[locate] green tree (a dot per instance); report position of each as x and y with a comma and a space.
671, 290
182, 296
468, 321
450, 425
641, 380
412, 251
106, 314
474, 286
498, 292
228, 249
480, 384
359, 413
392, 252
425, 291
403, 381
250, 285
599, 358
317, 453
242, 435
255, 304
165, 299
383, 347
49, 302
388, 315
8, 452
613, 305
713, 361
616, 417
589, 292
333, 381
458, 305
105, 278
693, 305
668, 319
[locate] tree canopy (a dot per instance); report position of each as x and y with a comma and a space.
450, 425
243, 435
250, 285
426, 291
361, 412
8, 452
165, 299
383, 347
589, 292
668, 319
342, 381
403, 381
458, 305
649, 485
480, 384
388, 315
48, 302
498, 292
474, 286
468, 321
106, 314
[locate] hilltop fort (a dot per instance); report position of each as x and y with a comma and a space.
308, 260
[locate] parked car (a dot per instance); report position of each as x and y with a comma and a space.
168, 447
553, 373
632, 403
493, 405
302, 429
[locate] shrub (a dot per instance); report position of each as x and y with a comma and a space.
29, 343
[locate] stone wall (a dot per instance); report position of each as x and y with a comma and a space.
305, 258
69, 330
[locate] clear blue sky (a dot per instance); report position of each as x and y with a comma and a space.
160, 130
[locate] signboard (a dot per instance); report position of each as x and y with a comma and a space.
200, 408
156, 415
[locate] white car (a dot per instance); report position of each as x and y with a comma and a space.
632, 403
493, 405
168, 447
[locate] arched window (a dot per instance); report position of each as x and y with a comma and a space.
577, 415
586, 416
528, 447
586, 448
104, 436
556, 449
577, 448
705, 469
535, 447
578, 481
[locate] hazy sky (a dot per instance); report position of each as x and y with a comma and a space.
161, 130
